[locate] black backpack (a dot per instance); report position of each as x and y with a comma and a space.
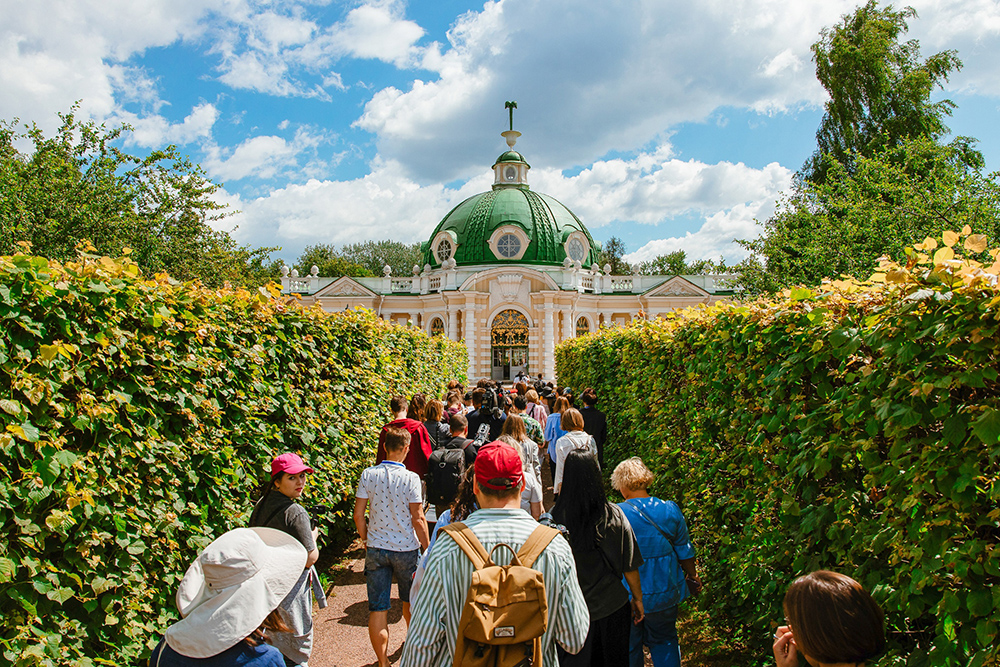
445, 470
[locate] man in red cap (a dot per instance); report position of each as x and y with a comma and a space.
420, 439
497, 484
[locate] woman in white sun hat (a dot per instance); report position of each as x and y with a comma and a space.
228, 601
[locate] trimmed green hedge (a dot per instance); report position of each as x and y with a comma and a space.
137, 419
854, 427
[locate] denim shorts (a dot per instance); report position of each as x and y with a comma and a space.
380, 565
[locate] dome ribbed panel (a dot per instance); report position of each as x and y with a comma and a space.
475, 230
544, 239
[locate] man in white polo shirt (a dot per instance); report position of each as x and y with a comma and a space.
392, 543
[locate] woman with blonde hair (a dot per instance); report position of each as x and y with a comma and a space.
554, 430
514, 427
531, 495
575, 438
668, 570
831, 620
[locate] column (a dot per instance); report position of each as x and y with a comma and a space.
469, 318
453, 323
607, 318
563, 329
549, 345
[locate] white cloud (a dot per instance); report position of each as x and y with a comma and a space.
378, 32
348, 211
716, 236
156, 131
266, 157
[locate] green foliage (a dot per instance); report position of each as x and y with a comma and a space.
611, 253
77, 186
325, 257
854, 427
879, 88
889, 201
675, 264
137, 419
374, 255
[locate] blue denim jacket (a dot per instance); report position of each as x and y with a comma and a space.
661, 575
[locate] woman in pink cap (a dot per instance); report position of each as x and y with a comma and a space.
277, 509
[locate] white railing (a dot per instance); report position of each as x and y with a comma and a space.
298, 285
587, 282
435, 283
621, 284
402, 284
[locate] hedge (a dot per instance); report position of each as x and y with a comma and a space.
137, 418
852, 427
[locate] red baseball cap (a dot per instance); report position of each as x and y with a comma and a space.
498, 460
289, 463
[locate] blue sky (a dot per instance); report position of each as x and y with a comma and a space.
673, 125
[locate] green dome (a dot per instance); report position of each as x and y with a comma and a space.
545, 222
511, 156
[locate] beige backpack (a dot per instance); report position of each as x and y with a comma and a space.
506, 611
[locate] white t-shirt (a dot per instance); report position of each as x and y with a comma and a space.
532, 492
390, 489
564, 445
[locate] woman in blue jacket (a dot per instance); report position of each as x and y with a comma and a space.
667, 573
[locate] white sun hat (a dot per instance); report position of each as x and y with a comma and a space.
231, 587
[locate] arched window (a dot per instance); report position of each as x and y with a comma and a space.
437, 327
582, 326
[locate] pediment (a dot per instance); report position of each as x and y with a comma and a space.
677, 286
345, 286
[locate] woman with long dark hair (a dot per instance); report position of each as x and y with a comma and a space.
277, 509
605, 550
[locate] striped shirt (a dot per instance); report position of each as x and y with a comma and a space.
430, 641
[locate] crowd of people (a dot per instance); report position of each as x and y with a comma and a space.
454, 510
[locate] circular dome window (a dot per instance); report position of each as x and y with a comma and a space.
575, 250
444, 250
508, 246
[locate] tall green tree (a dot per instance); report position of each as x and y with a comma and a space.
79, 186
879, 88
888, 201
675, 263
329, 261
611, 253
373, 255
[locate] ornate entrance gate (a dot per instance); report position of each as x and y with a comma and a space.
509, 338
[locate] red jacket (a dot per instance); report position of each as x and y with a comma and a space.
420, 445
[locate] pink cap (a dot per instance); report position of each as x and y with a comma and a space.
289, 463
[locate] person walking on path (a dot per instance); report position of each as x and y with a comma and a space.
594, 421
605, 550
229, 597
392, 543
575, 438
497, 485
554, 431
420, 440
667, 573
534, 407
277, 509
436, 429
516, 427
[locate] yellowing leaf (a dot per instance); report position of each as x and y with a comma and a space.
877, 278
48, 352
966, 230
897, 276
950, 238
976, 243
929, 244
943, 255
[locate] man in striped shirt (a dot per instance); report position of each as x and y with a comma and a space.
497, 484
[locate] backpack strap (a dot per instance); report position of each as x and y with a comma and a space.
535, 545
469, 543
